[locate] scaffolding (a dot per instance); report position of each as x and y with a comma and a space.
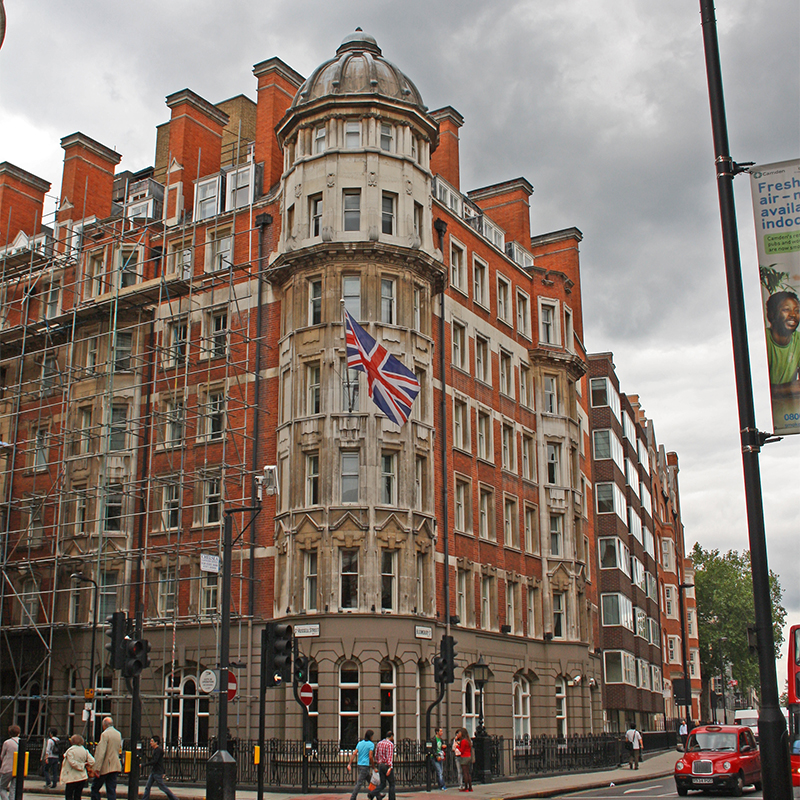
127, 416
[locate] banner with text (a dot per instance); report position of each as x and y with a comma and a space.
776, 206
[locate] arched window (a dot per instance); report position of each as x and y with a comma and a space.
103, 686
28, 707
388, 687
72, 703
469, 703
521, 692
348, 705
561, 707
185, 711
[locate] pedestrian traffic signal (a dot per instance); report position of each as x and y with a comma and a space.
116, 643
136, 657
449, 658
300, 670
439, 670
277, 653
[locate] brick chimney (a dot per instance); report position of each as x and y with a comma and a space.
21, 202
445, 158
87, 185
195, 147
277, 85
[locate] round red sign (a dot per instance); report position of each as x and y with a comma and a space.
232, 686
306, 694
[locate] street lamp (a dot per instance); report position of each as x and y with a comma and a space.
81, 578
687, 682
483, 767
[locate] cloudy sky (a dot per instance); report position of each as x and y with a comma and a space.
601, 104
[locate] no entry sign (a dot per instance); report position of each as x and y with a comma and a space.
306, 695
232, 686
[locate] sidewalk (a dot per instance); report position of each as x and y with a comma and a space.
654, 766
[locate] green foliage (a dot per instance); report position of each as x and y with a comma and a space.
773, 280
724, 592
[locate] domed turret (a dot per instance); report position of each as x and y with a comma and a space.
358, 69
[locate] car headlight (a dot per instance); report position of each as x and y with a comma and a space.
680, 765
726, 765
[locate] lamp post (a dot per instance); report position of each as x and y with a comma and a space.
81, 578
723, 681
483, 764
687, 682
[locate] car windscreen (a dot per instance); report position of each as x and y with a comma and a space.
712, 741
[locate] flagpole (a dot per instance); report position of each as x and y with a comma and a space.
346, 366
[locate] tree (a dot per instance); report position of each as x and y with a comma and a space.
725, 609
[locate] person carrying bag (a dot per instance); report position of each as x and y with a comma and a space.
74, 774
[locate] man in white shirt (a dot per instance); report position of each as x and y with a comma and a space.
635, 744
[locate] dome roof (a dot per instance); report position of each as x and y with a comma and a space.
358, 69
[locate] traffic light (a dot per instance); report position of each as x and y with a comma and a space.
136, 658
278, 653
439, 670
116, 644
449, 658
300, 670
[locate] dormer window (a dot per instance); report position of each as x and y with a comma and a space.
206, 198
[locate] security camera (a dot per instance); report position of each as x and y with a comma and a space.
271, 479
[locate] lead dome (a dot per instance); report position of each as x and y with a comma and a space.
358, 68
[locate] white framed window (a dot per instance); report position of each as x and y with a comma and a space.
559, 615
350, 463
607, 445
469, 703
387, 137
348, 587
488, 602
52, 300
548, 322
206, 198
614, 554
171, 504
458, 266
461, 595
482, 359
486, 512
459, 345
351, 385
186, 710
312, 479
315, 215
554, 463
561, 707
216, 344
35, 530
569, 339
180, 259
351, 203
114, 508
389, 213
212, 499
531, 530
240, 187
460, 424
485, 448
523, 314
509, 455
167, 592
348, 705
503, 299
351, 294
174, 422
420, 476
417, 301
313, 388
525, 386
213, 414
314, 302
209, 594
310, 580
463, 498
320, 137
550, 394
557, 535
352, 134
611, 500
512, 590
617, 609
388, 580
528, 457
40, 449
602, 393
510, 522
118, 430
219, 250
50, 373
29, 602
81, 510
389, 478
506, 373
178, 342
129, 274
96, 273
533, 613
667, 550
388, 314
480, 289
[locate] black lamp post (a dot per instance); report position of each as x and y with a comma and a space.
687, 681
81, 578
483, 761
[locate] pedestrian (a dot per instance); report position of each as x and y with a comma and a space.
363, 755
439, 747
8, 783
465, 747
384, 758
107, 763
51, 757
634, 744
74, 774
456, 748
683, 732
156, 764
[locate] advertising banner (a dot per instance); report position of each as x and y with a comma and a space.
776, 207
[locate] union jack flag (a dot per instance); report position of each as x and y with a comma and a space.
392, 386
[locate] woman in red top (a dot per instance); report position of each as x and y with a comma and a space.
466, 760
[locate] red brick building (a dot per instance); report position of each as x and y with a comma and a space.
178, 328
